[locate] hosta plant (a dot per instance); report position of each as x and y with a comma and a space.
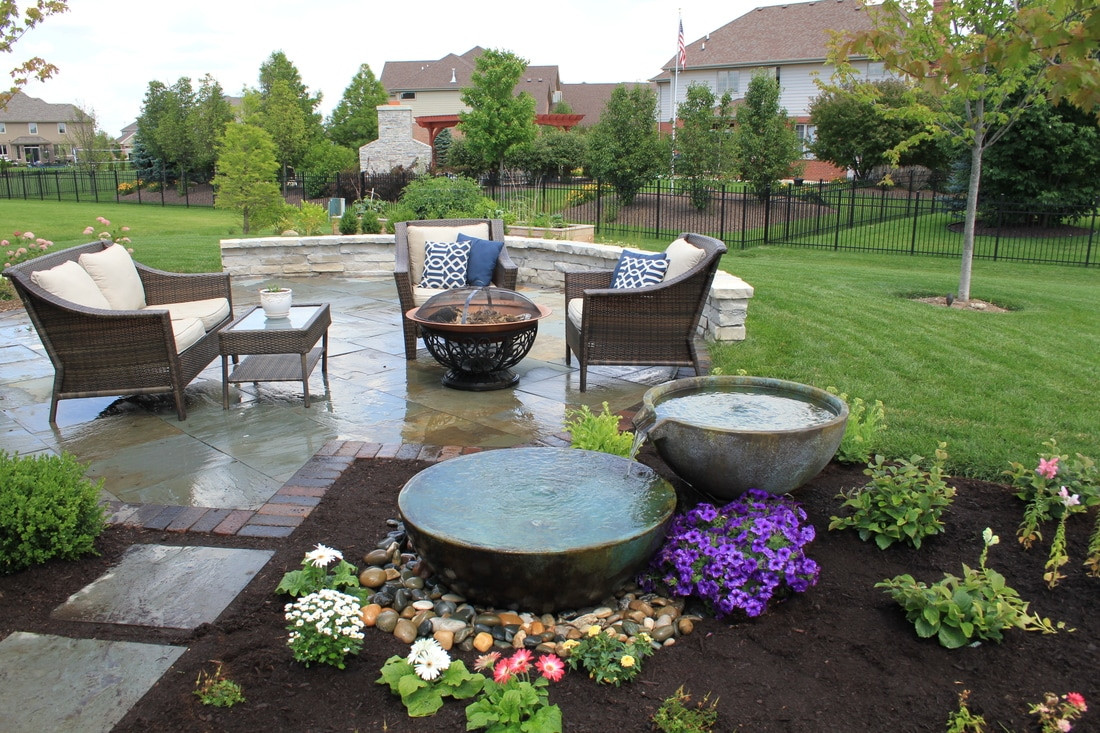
978, 606
902, 503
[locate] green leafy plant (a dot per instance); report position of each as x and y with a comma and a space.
1055, 489
349, 222
325, 627
963, 720
866, 423
48, 509
607, 658
1057, 713
216, 689
976, 607
308, 220
902, 502
315, 575
678, 715
426, 676
600, 432
511, 701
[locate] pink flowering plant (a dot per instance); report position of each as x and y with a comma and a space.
511, 701
1057, 713
1055, 489
119, 236
23, 246
736, 558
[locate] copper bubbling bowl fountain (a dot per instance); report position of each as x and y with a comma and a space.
479, 334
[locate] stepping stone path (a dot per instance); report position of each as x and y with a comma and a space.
52, 683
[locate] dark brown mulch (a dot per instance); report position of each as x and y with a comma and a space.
840, 657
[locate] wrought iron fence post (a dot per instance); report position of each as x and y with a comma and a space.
722, 212
1092, 231
1000, 221
76, 186
916, 218
599, 204
767, 211
186, 192
839, 215
657, 228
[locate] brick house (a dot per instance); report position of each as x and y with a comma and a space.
790, 42
35, 132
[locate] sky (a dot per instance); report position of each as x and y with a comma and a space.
109, 50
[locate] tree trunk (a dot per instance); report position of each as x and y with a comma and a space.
971, 205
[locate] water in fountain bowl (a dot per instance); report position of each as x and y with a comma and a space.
744, 409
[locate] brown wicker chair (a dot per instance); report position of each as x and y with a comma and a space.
99, 353
653, 326
406, 271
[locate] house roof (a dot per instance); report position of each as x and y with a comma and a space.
453, 72
774, 34
21, 108
591, 99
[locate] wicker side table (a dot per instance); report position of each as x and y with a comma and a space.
280, 349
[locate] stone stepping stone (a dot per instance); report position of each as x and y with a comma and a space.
165, 586
53, 683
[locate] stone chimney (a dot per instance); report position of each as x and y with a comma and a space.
395, 145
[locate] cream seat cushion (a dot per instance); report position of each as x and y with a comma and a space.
419, 236
574, 309
73, 283
210, 311
114, 272
421, 295
682, 256
188, 332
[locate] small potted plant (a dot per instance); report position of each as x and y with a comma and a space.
275, 300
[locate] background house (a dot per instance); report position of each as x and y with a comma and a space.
34, 132
789, 42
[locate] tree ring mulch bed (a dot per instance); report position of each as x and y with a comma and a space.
838, 657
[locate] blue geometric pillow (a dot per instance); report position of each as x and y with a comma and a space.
483, 259
638, 269
445, 265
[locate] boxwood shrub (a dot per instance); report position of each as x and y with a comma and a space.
48, 509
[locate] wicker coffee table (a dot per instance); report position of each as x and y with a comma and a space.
280, 349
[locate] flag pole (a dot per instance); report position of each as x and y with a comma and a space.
681, 57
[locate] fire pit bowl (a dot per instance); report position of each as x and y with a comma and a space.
540, 529
726, 434
479, 334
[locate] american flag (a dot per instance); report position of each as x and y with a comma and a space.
682, 59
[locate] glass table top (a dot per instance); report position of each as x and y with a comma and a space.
300, 316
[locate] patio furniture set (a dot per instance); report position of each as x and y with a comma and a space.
112, 326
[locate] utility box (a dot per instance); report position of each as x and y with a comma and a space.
336, 207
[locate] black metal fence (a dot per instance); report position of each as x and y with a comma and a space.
905, 217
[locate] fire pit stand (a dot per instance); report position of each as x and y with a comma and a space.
479, 334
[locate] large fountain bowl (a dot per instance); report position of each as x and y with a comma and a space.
726, 460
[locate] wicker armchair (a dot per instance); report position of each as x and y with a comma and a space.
409, 262
653, 325
98, 352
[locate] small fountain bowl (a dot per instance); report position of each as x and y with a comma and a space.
726, 460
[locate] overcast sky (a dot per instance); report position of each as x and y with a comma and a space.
109, 50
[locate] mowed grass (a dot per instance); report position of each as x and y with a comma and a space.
993, 386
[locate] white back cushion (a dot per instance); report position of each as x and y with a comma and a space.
419, 236
73, 283
682, 256
114, 272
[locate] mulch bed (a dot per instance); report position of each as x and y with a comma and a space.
839, 657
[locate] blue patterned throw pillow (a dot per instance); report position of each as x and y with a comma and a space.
445, 265
638, 269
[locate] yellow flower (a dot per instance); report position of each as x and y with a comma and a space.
570, 644
593, 630
627, 661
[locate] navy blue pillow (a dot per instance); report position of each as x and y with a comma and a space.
483, 259
639, 269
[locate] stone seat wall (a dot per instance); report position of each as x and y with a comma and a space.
541, 262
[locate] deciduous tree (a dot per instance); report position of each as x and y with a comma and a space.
703, 141
13, 24
624, 147
499, 120
245, 180
984, 62
768, 147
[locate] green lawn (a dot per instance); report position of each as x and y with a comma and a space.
994, 386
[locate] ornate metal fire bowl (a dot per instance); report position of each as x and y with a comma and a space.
479, 334
536, 528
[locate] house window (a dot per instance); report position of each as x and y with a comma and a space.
60, 128
728, 81
408, 95
32, 128
806, 137
3, 128
3, 151
876, 70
